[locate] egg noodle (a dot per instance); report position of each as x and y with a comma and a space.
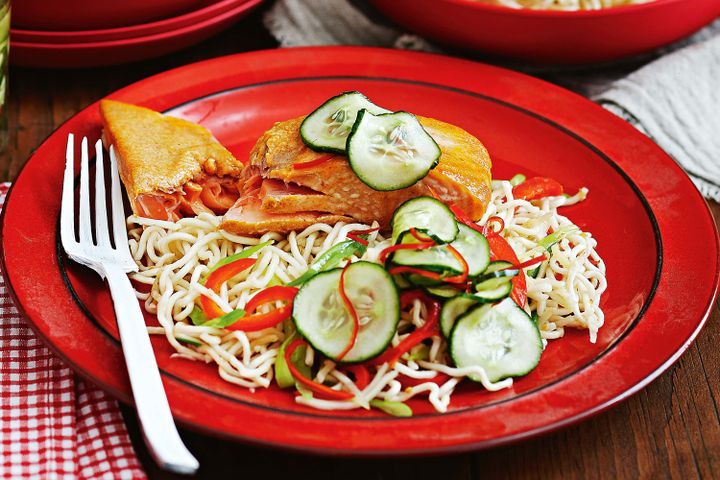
564, 4
173, 257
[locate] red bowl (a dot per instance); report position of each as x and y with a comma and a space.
548, 36
87, 14
95, 54
134, 31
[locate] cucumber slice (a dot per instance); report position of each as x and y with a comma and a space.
420, 281
472, 245
327, 128
443, 291
497, 265
502, 339
401, 282
491, 295
425, 214
323, 320
390, 151
493, 279
451, 310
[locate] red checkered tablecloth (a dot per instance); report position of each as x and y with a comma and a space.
53, 425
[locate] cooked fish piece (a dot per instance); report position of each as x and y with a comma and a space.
278, 186
170, 167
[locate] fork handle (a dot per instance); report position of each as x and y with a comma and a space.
161, 435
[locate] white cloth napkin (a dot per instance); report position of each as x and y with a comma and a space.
674, 97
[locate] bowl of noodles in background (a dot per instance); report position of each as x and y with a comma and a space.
553, 31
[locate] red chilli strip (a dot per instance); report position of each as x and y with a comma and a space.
312, 163
428, 330
465, 219
420, 238
489, 230
403, 246
355, 235
316, 387
528, 263
462, 278
353, 314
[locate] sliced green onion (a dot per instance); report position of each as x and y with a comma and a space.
396, 409
556, 236
188, 340
244, 254
197, 316
283, 377
330, 260
226, 320
517, 179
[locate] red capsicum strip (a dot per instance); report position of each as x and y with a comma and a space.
353, 314
361, 374
271, 294
500, 249
216, 279
428, 330
260, 321
537, 187
312, 163
490, 229
355, 235
316, 387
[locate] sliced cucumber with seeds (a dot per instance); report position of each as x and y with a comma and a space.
322, 318
502, 339
498, 275
328, 127
491, 294
451, 310
472, 245
494, 287
497, 265
443, 291
427, 215
390, 151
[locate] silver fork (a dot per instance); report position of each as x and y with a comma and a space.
113, 264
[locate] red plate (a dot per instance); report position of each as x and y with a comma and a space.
553, 36
135, 31
86, 14
654, 231
114, 52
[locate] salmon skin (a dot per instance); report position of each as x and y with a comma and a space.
278, 197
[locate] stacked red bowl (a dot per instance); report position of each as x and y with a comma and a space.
552, 36
91, 33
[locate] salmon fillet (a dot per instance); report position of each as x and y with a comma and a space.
331, 188
170, 167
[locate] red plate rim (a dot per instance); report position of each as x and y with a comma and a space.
570, 14
232, 12
697, 241
157, 26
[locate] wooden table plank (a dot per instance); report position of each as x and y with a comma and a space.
669, 430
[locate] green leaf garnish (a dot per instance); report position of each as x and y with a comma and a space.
226, 320
330, 259
244, 254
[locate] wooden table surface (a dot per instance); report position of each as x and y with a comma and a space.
671, 429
